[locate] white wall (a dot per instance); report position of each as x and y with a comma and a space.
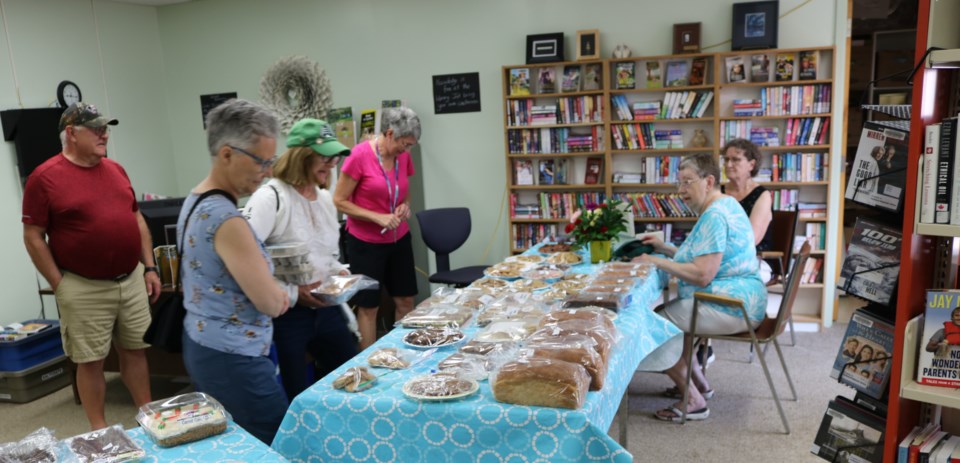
157, 61
54, 40
375, 50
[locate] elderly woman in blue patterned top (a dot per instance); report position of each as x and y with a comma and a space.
718, 257
230, 294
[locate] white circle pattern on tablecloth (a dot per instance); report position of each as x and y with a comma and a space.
383, 428
359, 449
409, 452
381, 457
337, 451
494, 410
376, 406
310, 420
435, 433
547, 418
457, 433
358, 424
489, 456
333, 402
542, 440
519, 416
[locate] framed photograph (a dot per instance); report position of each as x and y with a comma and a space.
686, 38
588, 44
755, 25
545, 48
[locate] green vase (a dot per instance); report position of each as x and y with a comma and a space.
600, 251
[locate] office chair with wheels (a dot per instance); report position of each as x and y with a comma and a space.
444, 230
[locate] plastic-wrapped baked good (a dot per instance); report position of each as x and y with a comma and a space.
543, 273
437, 316
486, 348
355, 379
496, 313
604, 280
181, 419
577, 277
471, 366
529, 285
578, 349
443, 295
490, 283
542, 382
107, 445
605, 339
552, 248
612, 301
338, 289
570, 286
515, 330
39, 446
391, 357
432, 337
564, 258
526, 258
577, 314
440, 386
593, 287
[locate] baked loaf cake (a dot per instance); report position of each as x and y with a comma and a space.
542, 382
571, 349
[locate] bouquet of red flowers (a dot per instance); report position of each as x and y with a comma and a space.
598, 222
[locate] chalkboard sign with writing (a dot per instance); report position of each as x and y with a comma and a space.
456, 93
208, 102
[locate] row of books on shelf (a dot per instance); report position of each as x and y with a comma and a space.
799, 131
929, 443
642, 136
553, 172
795, 100
656, 205
567, 110
785, 199
851, 430
554, 140
878, 174
574, 78
562, 205
526, 235
811, 272
815, 233
675, 105
795, 167
679, 73
811, 210
785, 67
653, 169
939, 192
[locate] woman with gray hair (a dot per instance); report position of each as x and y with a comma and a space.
718, 257
229, 291
373, 191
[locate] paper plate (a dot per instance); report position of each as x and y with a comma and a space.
410, 387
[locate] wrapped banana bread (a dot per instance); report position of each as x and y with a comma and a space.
542, 382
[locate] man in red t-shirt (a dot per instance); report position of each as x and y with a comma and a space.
86, 236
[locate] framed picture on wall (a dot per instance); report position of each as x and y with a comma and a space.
755, 25
545, 48
686, 38
588, 44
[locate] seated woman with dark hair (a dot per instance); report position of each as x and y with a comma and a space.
718, 257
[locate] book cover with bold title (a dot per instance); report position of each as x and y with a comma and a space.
939, 360
879, 174
872, 265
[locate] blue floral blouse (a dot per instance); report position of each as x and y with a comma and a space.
724, 227
219, 315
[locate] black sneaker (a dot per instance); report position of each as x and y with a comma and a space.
706, 351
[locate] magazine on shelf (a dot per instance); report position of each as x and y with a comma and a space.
808, 65
784, 67
523, 171
853, 432
678, 74
872, 264
654, 79
547, 80
879, 171
519, 81
592, 73
547, 172
735, 69
865, 355
594, 171
759, 68
698, 71
625, 76
939, 360
571, 78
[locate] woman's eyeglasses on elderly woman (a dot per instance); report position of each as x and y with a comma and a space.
264, 164
332, 159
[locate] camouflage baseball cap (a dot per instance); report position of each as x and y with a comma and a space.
318, 135
86, 115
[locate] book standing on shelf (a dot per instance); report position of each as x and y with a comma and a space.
547, 80
523, 171
547, 173
519, 82
654, 79
594, 171
678, 73
698, 71
879, 168
759, 68
939, 360
591, 76
561, 172
735, 70
865, 355
872, 266
947, 192
808, 65
853, 432
784, 67
928, 182
625, 76
571, 79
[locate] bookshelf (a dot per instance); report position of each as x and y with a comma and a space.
646, 126
928, 259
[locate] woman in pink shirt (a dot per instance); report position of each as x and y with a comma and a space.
373, 192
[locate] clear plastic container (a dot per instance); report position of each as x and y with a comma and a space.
107, 445
288, 250
182, 419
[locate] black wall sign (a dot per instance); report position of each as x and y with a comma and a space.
456, 93
208, 102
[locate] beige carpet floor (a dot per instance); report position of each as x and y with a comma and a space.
743, 426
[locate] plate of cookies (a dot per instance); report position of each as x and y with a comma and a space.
431, 337
440, 386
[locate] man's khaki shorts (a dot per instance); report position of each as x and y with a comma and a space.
94, 312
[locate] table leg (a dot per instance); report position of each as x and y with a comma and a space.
623, 415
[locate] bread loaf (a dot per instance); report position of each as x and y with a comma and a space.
575, 314
542, 382
603, 337
570, 349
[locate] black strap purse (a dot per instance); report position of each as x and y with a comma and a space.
166, 327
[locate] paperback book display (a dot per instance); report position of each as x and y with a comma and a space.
571, 79
784, 67
625, 76
872, 265
879, 168
735, 70
850, 430
547, 80
678, 74
760, 68
939, 360
654, 79
591, 76
865, 355
808, 65
698, 70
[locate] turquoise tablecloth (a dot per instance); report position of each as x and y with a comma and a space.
234, 445
383, 425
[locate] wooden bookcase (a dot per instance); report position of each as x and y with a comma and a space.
657, 163
927, 257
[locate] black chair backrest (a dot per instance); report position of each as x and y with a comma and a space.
791, 287
784, 225
444, 230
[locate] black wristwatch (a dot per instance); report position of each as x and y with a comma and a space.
151, 269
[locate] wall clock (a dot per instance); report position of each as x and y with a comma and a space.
68, 93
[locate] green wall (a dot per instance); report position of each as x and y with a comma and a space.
152, 64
